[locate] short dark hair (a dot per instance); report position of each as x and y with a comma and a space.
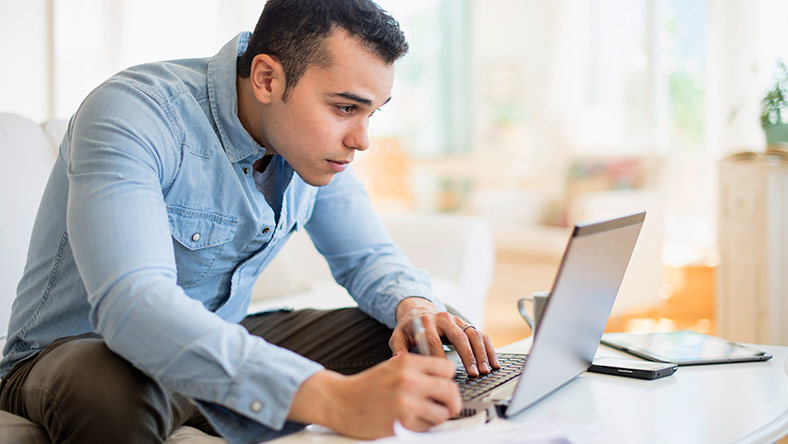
293, 32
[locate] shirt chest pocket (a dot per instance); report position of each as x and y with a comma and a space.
198, 239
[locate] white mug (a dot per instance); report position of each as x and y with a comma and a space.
538, 301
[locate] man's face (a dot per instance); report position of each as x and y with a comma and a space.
326, 115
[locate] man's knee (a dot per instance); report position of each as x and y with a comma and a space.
85, 388
346, 339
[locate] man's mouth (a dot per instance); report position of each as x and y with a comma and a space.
339, 165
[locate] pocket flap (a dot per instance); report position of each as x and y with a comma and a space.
195, 229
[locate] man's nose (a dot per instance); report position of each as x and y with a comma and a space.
358, 138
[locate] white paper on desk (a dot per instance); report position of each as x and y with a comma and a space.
554, 430
470, 422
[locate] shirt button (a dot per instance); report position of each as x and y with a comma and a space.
266, 230
196, 237
246, 170
256, 406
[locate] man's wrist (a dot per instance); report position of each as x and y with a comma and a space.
414, 302
313, 401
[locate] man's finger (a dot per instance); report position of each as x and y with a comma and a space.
430, 413
491, 355
398, 343
433, 366
446, 393
415, 424
475, 337
438, 397
463, 347
433, 336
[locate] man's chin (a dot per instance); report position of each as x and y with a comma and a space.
320, 181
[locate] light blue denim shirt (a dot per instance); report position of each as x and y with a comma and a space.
152, 232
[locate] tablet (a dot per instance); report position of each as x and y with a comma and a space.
683, 348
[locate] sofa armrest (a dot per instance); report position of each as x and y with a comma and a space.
26, 158
457, 251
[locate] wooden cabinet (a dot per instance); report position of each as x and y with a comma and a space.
752, 279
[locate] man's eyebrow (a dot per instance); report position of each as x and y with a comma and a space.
355, 98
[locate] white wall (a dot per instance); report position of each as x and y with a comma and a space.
24, 85
93, 39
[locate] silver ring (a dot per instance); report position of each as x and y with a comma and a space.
467, 326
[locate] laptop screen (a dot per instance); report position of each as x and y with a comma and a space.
578, 308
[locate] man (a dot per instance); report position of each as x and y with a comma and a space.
176, 183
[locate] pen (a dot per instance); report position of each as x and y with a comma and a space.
419, 334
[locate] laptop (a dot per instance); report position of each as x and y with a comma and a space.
573, 321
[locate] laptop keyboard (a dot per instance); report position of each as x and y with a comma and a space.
474, 388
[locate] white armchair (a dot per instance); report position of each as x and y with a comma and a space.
457, 251
26, 157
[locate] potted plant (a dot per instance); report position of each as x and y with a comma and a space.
774, 109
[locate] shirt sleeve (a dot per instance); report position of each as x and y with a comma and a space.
124, 150
347, 231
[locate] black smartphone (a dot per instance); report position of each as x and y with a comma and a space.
632, 368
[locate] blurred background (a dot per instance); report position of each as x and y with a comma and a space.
531, 114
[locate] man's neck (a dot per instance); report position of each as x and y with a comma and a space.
261, 163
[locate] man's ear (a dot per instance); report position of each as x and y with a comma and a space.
267, 78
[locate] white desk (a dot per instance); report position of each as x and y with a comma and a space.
743, 402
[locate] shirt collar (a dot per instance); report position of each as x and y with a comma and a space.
223, 99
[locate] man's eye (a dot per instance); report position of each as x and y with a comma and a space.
347, 109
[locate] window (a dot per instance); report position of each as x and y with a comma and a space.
430, 111
96, 38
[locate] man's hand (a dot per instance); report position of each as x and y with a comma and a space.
474, 347
416, 390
